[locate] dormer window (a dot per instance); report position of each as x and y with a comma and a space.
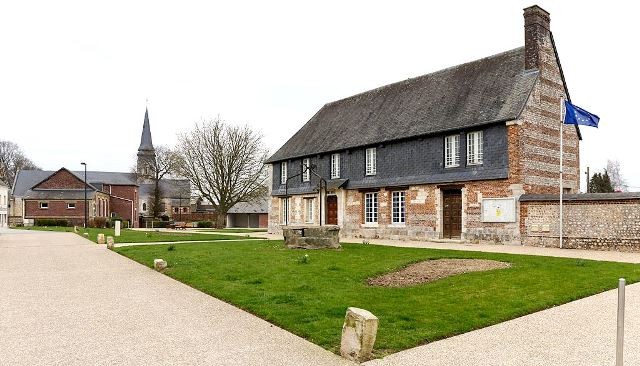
370, 162
283, 172
474, 148
306, 173
44, 205
452, 151
335, 166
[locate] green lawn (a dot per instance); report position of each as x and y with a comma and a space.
310, 299
134, 236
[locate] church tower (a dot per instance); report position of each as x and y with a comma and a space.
146, 152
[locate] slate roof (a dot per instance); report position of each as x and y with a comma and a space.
170, 188
145, 140
258, 206
58, 194
485, 91
581, 197
29, 178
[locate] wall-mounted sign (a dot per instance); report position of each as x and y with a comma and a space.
499, 209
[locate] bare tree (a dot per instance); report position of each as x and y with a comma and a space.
166, 163
12, 159
617, 181
224, 163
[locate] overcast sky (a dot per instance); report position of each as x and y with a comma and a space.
74, 76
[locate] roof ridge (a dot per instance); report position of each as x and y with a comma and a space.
425, 75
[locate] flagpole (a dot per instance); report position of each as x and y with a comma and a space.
561, 168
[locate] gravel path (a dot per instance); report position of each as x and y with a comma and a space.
66, 301
580, 333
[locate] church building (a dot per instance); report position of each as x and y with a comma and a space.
60, 194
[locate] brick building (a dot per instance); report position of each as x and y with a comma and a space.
39, 194
444, 155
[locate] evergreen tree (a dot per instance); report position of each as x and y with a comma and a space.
600, 183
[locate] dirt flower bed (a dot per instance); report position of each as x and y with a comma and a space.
431, 270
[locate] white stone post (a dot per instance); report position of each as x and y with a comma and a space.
358, 335
117, 228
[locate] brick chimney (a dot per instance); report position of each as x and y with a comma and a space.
536, 33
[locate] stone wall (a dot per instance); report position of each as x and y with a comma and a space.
588, 224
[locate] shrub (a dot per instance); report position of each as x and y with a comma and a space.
160, 224
171, 248
304, 259
98, 222
205, 224
51, 222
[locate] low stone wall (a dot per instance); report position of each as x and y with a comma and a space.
601, 222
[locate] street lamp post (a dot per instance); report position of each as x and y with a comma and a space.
86, 209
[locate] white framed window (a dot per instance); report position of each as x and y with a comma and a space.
398, 207
371, 208
306, 173
144, 206
283, 172
308, 207
284, 210
474, 148
452, 151
71, 205
44, 205
113, 214
335, 166
370, 162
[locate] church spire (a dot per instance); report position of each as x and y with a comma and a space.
145, 140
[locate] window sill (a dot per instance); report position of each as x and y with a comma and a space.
398, 224
474, 164
452, 166
369, 225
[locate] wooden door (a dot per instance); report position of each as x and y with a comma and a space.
332, 210
452, 213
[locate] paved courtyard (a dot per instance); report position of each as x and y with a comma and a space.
66, 301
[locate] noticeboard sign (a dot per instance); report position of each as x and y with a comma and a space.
499, 209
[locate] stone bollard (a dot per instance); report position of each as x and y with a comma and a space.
109, 242
159, 264
117, 228
75, 229
358, 335
101, 239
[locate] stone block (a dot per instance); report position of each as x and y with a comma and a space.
117, 227
159, 264
358, 335
101, 239
109, 242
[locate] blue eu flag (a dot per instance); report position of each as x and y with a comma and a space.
575, 115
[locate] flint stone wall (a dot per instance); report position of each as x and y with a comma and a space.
601, 224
